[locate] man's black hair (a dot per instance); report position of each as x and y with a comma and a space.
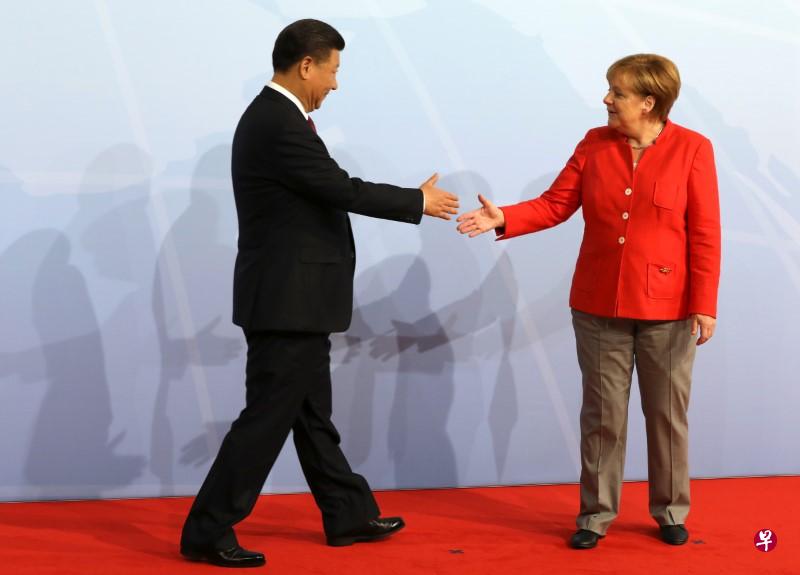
305, 38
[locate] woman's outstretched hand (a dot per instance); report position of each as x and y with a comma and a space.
487, 217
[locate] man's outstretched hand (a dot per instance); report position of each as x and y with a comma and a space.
438, 202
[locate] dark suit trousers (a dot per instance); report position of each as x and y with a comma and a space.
288, 389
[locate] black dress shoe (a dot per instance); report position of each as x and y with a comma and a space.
374, 530
584, 539
674, 534
233, 557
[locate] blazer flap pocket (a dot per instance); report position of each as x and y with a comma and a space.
662, 281
664, 194
320, 255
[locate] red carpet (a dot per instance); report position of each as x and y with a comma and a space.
463, 531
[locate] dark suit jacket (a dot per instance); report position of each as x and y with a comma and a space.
294, 269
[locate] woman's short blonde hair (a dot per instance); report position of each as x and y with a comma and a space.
650, 75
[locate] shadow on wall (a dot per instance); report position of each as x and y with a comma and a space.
191, 309
71, 451
398, 336
413, 345
419, 444
115, 235
20, 355
420, 370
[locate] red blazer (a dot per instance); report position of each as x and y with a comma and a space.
651, 239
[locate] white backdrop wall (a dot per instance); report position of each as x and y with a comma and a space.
119, 367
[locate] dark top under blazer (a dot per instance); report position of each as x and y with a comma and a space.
296, 259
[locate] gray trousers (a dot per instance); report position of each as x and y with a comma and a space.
663, 353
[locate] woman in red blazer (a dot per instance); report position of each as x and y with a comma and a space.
645, 283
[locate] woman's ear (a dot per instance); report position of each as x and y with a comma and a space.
648, 104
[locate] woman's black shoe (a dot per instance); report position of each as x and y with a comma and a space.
584, 539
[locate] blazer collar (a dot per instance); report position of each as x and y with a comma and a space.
665, 134
276, 96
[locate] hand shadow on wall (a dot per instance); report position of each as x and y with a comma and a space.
426, 347
419, 444
485, 323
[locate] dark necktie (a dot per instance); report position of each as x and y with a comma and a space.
311, 123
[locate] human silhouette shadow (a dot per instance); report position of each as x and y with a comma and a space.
482, 322
114, 230
354, 376
191, 307
544, 260
20, 351
71, 452
113, 242
555, 250
418, 442
485, 322
358, 376
21, 354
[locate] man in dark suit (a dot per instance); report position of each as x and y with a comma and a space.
293, 286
